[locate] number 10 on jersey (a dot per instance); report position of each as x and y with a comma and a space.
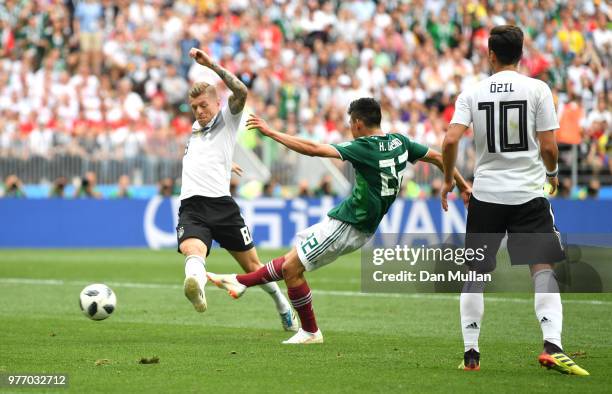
504, 107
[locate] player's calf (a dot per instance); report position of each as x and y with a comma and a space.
301, 299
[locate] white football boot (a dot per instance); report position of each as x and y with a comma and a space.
194, 291
228, 282
289, 321
304, 338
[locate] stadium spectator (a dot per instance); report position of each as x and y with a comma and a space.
123, 188
599, 121
570, 122
59, 187
174, 87
271, 189
304, 189
86, 25
602, 36
564, 189
593, 188
13, 188
187, 42
436, 186
325, 187
87, 188
166, 187
131, 102
156, 115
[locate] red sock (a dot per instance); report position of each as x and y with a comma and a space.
301, 299
271, 272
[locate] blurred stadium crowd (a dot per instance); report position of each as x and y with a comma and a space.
107, 80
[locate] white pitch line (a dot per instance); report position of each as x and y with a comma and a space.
340, 293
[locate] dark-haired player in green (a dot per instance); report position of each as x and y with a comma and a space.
380, 161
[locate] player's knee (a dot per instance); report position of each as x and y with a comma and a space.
288, 271
193, 246
292, 269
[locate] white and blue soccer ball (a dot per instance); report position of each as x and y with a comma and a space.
97, 301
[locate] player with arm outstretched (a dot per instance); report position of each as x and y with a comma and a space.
514, 122
379, 161
207, 209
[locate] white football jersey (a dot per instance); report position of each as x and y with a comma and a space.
207, 163
507, 110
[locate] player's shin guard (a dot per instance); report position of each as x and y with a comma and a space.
196, 266
301, 299
271, 272
472, 308
548, 307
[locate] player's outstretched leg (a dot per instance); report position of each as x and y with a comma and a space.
249, 261
195, 272
236, 285
549, 312
472, 309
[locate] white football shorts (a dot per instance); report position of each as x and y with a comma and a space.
324, 242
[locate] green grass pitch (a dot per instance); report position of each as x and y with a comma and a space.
373, 343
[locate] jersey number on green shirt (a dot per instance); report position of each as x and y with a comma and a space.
396, 176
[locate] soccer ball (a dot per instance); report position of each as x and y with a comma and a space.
97, 301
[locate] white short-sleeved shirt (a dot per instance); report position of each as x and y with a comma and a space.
507, 110
207, 163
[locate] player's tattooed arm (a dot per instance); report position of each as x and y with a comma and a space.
238, 98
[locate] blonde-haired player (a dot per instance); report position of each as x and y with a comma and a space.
207, 209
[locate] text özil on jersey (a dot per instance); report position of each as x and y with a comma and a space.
501, 88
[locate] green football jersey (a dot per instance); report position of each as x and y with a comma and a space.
379, 163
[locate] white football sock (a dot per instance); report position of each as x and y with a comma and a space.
196, 266
472, 309
282, 305
548, 308
471, 305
